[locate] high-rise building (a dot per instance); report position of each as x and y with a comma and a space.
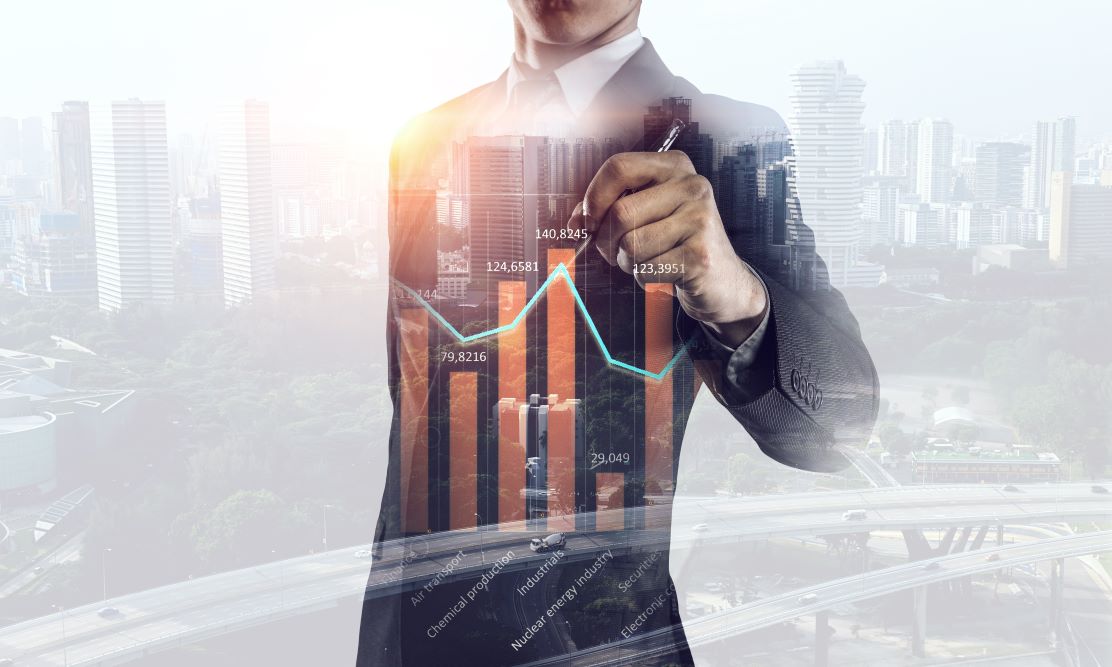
73, 170
826, 133
870, 156
975, 225
998, 175
934, 159
737, 200
698, 147
248, 230
880, 202
912, 147
504, 178
1080, 221
9, 147
921, 225
892, 148
32, 153
131, 203
1052, 150
55, 259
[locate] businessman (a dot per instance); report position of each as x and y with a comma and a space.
499, 330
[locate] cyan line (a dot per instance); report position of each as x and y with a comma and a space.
560, 271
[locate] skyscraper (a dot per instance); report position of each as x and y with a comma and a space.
935, 155
131, 203
892, 148
73, 170
737, 200
31, 150
999, 173
504, 177
1052, 150
826, 132
1080, 232
248, 231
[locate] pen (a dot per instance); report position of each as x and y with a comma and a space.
666, 141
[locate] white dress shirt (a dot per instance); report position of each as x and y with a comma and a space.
581, 79
550, 104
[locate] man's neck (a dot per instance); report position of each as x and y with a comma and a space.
544, 57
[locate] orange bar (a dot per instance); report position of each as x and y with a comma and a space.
561, 327
511, 392
609, 500
658, 393
561, 464
413, 359
463, 449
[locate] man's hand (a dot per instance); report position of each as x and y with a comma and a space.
669, 231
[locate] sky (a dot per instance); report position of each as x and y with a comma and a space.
361, 67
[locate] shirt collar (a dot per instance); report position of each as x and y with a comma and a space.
583, 78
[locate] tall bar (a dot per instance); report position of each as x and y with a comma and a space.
658, 393
561, 327
413, 359
511, 392
463, 449
564, 427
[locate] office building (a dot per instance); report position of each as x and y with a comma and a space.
934, 159
55, 258
998, 175
73, 170
1080, 222
248, 229
503, 175
1052, 151
131, 204
826, 128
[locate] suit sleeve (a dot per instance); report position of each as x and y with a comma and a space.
810, 383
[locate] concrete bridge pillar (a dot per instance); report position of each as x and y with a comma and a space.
822, 639
919, 621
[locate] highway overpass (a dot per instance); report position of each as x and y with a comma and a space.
189, 611
777, 609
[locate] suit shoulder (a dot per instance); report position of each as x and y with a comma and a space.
436, 124
723, 116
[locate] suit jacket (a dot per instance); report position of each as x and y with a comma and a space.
808, 385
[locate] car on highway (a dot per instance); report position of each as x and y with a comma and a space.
1011, 488
108, 612
700, 528
808, 598
553, 541
992, 558
933, 565
364, 553
854, 515
1097, 488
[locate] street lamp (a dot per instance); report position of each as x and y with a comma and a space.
324, 540
281, 578
479, 527
65, 650
104, 572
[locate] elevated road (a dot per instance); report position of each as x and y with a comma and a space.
805, 601
189, 611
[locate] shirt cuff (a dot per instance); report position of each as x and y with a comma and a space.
745, 355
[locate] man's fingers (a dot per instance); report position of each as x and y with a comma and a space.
648, 241
629, 171
638, 210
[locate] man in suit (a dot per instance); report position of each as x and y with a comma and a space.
676, 289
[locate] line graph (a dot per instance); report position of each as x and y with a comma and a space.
561, 271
